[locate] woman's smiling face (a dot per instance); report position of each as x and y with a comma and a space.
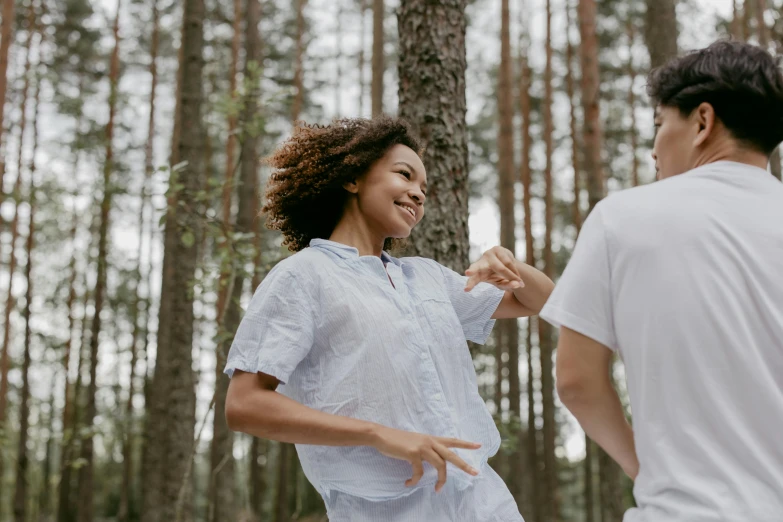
390, 196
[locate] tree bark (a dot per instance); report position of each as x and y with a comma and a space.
281, 503
171, 413
588, 478
508, 329
545, 339
149, 167
6, 37
735, 26
610, 490
222, 458
661, 31
764, 39
632, 105
362, 46
230, 165
592, 140
128, 487
86, 472
432, 99
22, 459
9, 304
576, 213
298, 104
747, 16
526, 177
378, 62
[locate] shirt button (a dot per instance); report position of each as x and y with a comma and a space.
423, 355
437, 396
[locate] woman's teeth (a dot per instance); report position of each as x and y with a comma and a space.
406, 207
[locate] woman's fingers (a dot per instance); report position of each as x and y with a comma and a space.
457, 443
504, 270
434, 458
418, 471
449, 456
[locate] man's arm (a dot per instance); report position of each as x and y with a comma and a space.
584, 385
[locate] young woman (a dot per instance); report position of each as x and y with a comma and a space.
378, 389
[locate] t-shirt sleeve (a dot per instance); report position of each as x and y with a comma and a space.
276, 332
582, 298
475, 308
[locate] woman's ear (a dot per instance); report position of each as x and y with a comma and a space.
351, 186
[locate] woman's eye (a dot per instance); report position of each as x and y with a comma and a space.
405, 173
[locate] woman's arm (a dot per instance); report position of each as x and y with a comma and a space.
527, 288
254, 407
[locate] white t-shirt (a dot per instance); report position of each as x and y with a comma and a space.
684, 279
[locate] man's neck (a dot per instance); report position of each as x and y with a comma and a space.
730, 150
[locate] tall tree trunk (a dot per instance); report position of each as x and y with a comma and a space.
257, 479
592, 139
45, 496
545, 340
296, 109
22, 459
764, 38
735, 26
171, 412
508, 329
747, 17
432, 81
6, 37
378, 62
632, 105
661, 31
610, 489
362, 46
222, 458
525, 175
576, 213
64, 513
281, 502
230, 165
588, 479
149, 158
128, 487
86, 472
9, 303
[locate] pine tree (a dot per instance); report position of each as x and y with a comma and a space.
432, 81
378, 66
171, 420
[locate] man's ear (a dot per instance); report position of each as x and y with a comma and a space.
705, 119
351, 186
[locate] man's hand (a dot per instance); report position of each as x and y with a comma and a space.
498, 267
417, 449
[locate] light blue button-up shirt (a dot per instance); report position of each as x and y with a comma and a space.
383, 340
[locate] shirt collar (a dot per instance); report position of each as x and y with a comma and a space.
347, 252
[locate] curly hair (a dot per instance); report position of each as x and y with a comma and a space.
742, 82
305, 196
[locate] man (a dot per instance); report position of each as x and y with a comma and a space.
683, 279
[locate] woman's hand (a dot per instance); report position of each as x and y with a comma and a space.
498, 267
417, 448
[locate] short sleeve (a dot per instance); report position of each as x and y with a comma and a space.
475, 308
582, 298
276, 332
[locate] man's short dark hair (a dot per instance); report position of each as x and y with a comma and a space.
742, 82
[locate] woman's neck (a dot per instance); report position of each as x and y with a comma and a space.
357, 234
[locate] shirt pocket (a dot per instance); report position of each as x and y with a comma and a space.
437, 318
